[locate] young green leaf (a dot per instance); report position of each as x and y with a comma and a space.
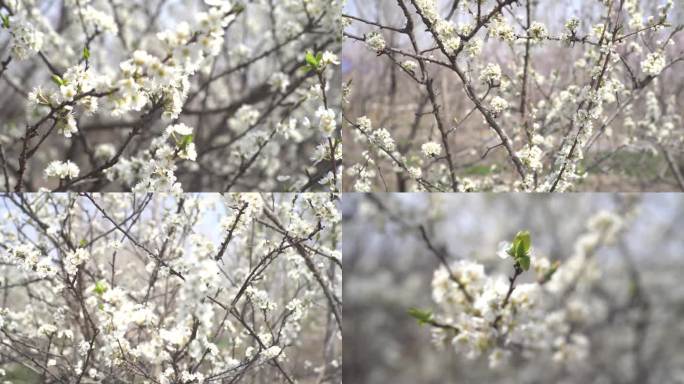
521, 245
5, 21
422, 316
86, 53
100, 287
520, 249
524, 240
311, 59
58, 80
524, 262
185, 141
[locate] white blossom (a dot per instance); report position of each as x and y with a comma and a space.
62, 170
375, 41
498, 104
491, 74
537, 31
431, 149
327, 122
26, 39
653, 64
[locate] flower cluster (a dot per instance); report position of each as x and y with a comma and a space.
532, 154
155, 169
62, 170
26, 39
327, 122
498, 105
653, 64
386, 148
375, 41
491, 74
537, 31
431, 149
444, 29
484, 314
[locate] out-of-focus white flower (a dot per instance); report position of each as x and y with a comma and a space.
502, 251
62, 170
537, 31
105, 151
409, 65
327, 122
271, 352
179, 129
279, 82
26, 40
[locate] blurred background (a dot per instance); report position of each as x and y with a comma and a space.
388, 269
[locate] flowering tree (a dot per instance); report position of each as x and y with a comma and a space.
594, 297
126, 288
482, 95
163, 95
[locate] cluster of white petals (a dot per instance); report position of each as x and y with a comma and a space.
185, 288
481, 313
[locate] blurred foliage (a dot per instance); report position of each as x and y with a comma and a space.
17, 374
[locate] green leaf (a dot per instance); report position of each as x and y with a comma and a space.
86, 53
306, 68
524, 262
520, 249
185, 141
5, 21
311, 59
100, 287
422, 316
58, 80
514, 250
83, 243
524, 241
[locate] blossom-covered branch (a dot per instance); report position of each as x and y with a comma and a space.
191, 289
200, 96
486, 96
